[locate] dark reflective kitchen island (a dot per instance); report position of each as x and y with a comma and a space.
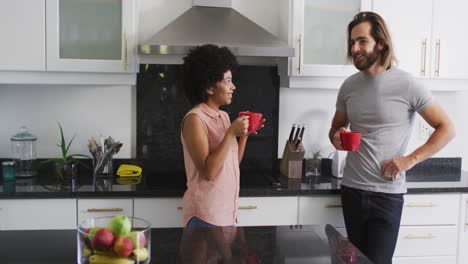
267, 244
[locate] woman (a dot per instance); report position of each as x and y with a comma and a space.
211, 152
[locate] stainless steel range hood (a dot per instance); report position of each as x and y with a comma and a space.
222, 26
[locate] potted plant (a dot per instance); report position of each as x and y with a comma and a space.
66, 165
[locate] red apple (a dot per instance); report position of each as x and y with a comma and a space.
138, 239
103, 239
123, 246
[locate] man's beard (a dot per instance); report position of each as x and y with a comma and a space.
367, 59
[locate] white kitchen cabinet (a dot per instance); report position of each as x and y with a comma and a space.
264, 211
430, 209
429, 229
321, 210
37, 214
253, 211
22, 23
319, 36
90, 35
160, 212
92, 208
425, 260
434, 240
429, 44
463, 231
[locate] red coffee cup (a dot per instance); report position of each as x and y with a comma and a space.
350, 141
254, 119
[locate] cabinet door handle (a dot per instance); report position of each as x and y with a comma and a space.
333, 206
421, 205
300, 55
423, 57
428, 236
179, 208
437, 70
247, 207
99, 210
125, 58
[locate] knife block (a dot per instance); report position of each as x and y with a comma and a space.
291, 162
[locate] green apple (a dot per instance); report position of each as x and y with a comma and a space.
120, 225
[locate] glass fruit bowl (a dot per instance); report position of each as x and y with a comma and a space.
118, 239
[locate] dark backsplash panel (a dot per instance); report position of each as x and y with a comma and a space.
161, 105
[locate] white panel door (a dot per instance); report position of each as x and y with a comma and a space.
450, 39
90, 35
319, 36
264, 211
22, 25
463, 231
425, 260
92, 208
410, 25
321, 210
37, 214
160, 212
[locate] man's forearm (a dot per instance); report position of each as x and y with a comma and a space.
441, 136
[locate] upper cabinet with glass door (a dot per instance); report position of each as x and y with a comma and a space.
90, 35
319, 35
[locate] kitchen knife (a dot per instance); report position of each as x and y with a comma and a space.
301, 135
296, 136
292, 133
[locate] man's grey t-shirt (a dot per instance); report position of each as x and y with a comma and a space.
382, 107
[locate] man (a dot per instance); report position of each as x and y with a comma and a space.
380, 101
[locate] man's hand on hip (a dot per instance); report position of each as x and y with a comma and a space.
394, 166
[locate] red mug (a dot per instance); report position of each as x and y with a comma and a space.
350, 141
254, 120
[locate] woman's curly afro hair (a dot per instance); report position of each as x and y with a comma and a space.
203, 67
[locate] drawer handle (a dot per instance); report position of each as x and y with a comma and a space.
428, 236
247, 207
100, 210
421, 205
333, 206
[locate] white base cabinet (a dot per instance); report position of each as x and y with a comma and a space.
37, 214
429, 229
425, 260
463, 231
264, 211
320, 210
160, 212
92, 208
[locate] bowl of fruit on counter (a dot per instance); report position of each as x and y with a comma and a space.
114, 240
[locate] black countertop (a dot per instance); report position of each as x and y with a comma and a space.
268, 244
421, 179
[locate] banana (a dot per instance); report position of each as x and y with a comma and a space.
98, 259
140, 254
105, 253
86, 252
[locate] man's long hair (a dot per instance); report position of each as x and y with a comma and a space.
379, 32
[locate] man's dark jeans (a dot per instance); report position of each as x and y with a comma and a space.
372, 222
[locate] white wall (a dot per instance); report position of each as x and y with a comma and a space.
315, 108
153, 15
82, 111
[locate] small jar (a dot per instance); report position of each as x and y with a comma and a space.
8, 171
23, 148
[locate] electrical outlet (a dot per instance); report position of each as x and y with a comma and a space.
425, 130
